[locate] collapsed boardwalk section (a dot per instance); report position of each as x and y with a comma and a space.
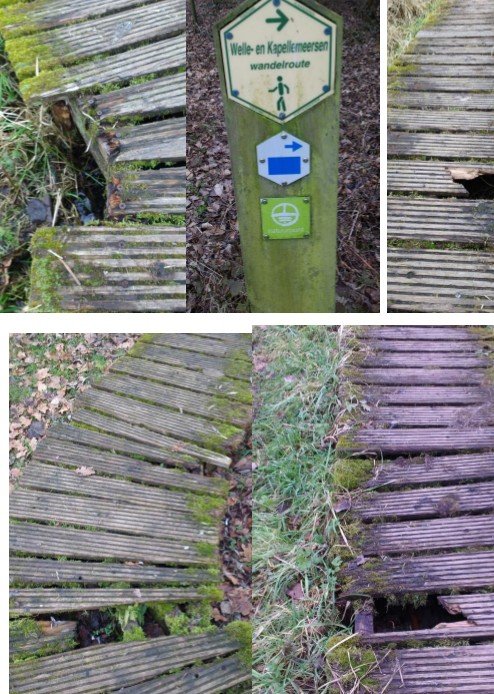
441, 151
115, 510
418, 466
119, 67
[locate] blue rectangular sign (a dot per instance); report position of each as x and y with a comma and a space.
282, 166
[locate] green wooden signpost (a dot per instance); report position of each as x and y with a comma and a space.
280, 69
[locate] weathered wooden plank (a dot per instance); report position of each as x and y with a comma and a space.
443, 84
219, 408
118, 68
64, 452
447, 632
213, 383
430, 395
431, 416
448, 58
421, 347
51, 541
27, 504
53, 572
202, 344
162, 140
154, 97
442, 121
64, 46
185, 427
123, 305
38, 15
34, 601
132, 192
418, 536
179, 357
425, 177
443, 670
454, 145
140, 434
380, 359
430, 99
418, 376
60, 636
421, 574
107, 666
416, 471
206, 679
477, 608
420, 333
428, 502
417, 440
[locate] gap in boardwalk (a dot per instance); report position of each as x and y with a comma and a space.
390, 616
480, 187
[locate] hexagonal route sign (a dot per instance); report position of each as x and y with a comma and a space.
283, 159
279, 58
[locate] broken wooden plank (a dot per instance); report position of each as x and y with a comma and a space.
477, 608
107, 666
426, 502
424, 177
418, 536
38, 601
41, 636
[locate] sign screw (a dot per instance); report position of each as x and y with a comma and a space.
235, 92
306, 161
283, 137
262, 161
276, 3
264, 201
229, 35
281, 116
285, 183
306, 199
325, 88
328, 31
265, 236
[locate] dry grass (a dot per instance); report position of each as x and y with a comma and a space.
405, 19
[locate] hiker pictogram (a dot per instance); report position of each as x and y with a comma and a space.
281, 88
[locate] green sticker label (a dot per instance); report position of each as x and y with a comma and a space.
285, 218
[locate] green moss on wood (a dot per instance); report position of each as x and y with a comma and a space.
205, 508
242, 632
47, 273
351, 473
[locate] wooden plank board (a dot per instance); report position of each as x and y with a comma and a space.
440, 280
429, 573
431, 99
447, 58
452, 468
60, 636
40, 15
431, 416
107, 666
422, 347
133, 192
443, 84
206, 363
454, 145
27, 504
424, 177
145, 60
162, 140
418, 440
441, 121
36, 601
379, 359
51, 541
53, 572
447, 632
202, 344
151, 98
64, 46
478, 608
438, 670
219, 408
209, 382
419, 333
424, 536
156, 418
427, 502
63, 452
142, 435
419, 376
427, 395
204, 679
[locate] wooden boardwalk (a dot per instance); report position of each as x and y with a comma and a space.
441, 133
426, 511
120, 68
115, 509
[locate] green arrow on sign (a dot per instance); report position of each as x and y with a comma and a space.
281, 20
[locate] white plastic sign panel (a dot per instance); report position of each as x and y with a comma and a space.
283, 159
279, 58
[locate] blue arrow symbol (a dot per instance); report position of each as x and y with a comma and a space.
294, 146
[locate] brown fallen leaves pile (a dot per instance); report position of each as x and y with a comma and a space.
214, 263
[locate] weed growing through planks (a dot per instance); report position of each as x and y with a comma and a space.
296, 382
